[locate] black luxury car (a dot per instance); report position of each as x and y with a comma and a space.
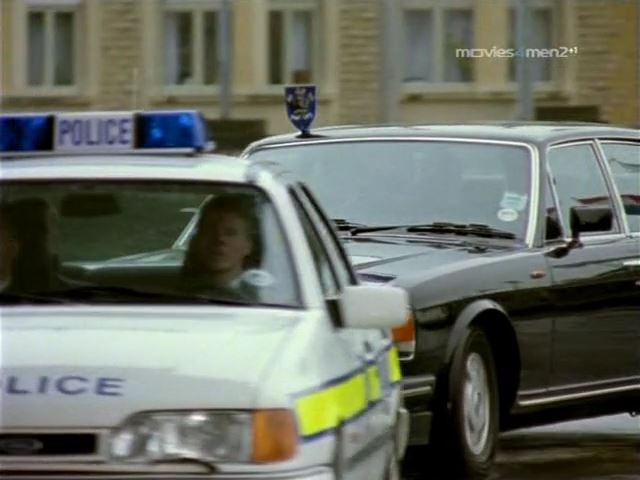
519, 245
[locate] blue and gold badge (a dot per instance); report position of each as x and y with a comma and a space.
301, 106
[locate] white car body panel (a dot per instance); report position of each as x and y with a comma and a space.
185, 357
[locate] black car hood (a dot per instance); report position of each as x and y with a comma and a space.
384, 258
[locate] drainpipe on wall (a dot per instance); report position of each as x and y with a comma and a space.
225, 41
390, 65
523, 66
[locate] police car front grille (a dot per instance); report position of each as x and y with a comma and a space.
47, 444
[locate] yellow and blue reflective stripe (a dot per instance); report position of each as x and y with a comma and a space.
322, 409
373, 379
395, 374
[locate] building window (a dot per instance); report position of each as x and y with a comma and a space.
432, 35
52, 32
191, 51
292, 45
541, 36
458, 25
419, 46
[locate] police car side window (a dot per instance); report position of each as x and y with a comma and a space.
340, 260
326, 274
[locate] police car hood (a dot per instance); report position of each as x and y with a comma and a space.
83, 366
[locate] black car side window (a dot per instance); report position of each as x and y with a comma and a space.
624, 161
578, 179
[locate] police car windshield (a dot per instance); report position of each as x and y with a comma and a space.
113, 242
423, 181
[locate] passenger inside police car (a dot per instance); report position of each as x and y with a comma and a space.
226, 244
9, 248
29, 251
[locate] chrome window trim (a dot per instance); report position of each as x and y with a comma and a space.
625, 141
618, 197
556, 203
534, 184
598, 238
606, 175
577, 395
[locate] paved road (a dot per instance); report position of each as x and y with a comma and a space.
606, 448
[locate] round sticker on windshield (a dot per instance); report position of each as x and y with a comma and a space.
513, 200
258, 278
508, 215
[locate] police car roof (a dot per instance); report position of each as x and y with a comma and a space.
126, 166
539, 133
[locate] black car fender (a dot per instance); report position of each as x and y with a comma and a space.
494, 319
466, 316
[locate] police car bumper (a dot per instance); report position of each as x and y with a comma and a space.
314, 473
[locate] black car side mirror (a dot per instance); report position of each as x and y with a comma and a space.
586, 219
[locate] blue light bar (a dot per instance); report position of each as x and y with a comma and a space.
171, 130
102, 132
26, 133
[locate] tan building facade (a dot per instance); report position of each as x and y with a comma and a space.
403, 60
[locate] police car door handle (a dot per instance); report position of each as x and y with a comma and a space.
632, 263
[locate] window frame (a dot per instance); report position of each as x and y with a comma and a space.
303, 215
555, 70
21, 62
550, 186
287, 8
337, 252
618, 229
438, 11
617, 200
197, 10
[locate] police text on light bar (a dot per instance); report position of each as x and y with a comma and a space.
102, 132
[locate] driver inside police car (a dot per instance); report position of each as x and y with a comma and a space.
9, 248
226, 244
29, 250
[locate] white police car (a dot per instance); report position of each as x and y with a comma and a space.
250, 354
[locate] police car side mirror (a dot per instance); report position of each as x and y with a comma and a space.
373, 306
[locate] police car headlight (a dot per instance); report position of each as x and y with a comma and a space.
202, 436
259, 436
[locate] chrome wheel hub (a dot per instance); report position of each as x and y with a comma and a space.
476, 404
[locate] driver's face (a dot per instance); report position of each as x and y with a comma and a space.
223, 242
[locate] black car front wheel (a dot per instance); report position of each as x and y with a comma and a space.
466, 427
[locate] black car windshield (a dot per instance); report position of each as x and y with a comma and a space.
113, 242
415, 182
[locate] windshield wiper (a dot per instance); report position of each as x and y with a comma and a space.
475, 229
376, 228
346, 225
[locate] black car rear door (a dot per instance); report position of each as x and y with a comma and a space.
595, 305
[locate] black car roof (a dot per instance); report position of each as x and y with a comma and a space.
539, 133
